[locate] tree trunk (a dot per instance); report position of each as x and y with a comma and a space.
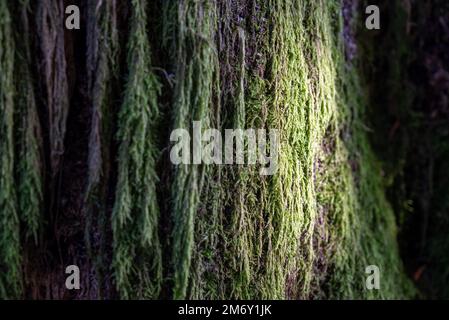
87, 179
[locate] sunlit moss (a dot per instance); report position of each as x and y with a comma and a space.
310, 230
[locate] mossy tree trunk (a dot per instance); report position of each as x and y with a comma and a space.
85, 174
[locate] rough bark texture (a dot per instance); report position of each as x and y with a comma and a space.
86, 178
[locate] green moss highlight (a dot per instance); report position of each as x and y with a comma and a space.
137, 261
195, 62
310, 230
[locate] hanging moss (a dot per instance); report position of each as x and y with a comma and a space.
307, 232
136, 249
310, 230
10, 258
196, 62
315, 94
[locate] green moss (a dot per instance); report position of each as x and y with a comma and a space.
310, 230
137, 258
195, 66
10, 259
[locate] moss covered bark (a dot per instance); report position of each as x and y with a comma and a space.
10, 250
148, 229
